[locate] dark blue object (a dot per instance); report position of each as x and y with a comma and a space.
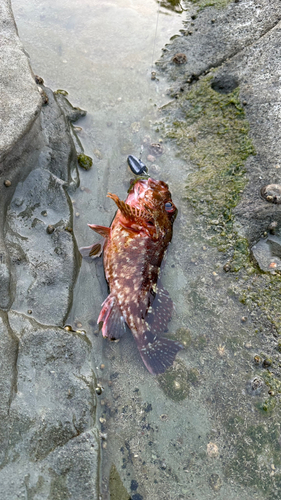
137, 166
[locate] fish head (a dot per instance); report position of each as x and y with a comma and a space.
153, 200
153, 196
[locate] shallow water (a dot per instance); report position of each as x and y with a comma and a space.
167, 438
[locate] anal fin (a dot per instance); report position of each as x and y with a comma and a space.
114, 324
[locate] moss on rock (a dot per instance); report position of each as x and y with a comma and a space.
174, 382
116, 487
211, 130
219, 4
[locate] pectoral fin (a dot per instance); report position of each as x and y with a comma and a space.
102, 230
91, 251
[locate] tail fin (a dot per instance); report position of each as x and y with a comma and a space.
159, 354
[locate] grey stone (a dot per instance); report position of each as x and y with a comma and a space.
267, 253
19, 97
8, 373
43, 265
217, 35
244, 45
51, 444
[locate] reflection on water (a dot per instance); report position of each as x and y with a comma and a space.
180, 436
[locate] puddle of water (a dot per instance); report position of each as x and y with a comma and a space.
163, 436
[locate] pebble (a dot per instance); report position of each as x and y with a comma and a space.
39, 80
244, 319
98, 391
151, 158
156, 149
50, 229
212, 450
29, 311
272, 227
77, 214
256, 385
102, 366
267, 363
257, 359
102, 420
7, 183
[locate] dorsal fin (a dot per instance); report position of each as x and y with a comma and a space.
128, 211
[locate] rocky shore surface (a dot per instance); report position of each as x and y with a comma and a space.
210, 427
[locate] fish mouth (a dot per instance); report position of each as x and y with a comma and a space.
139, 188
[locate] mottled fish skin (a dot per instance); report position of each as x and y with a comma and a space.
133, 251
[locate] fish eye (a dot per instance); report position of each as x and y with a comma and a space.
169, 207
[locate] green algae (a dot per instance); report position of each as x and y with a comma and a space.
61, 91
116, 487
174, 382
272, 382
211, 130
85, 161
219, 4
183, 335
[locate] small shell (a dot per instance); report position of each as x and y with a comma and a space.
271, 193
179, 58
156, 149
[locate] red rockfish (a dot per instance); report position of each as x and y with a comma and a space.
133, 250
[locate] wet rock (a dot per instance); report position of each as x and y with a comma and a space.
50, 415
272, 193
272, 227
44, 268
212, 43
267, 253
71, 112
